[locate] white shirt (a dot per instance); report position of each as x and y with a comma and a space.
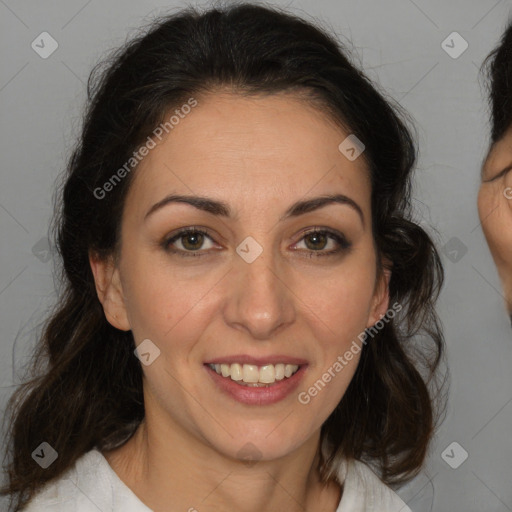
91, 485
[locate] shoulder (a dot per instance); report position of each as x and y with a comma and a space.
65, 492
88, 486
365, 492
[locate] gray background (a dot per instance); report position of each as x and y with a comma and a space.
398, 43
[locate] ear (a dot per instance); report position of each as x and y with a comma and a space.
380, 300
109, 290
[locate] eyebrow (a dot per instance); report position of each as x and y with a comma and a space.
222, 209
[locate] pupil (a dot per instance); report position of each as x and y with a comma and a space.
316, 237
196, 240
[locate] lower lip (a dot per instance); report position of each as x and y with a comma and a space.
258, 395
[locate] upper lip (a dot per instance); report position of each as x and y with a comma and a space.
258, 361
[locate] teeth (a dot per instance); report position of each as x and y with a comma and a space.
267, 374
252, 375
235, 371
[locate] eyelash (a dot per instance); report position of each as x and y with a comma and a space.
343, 243
502, 173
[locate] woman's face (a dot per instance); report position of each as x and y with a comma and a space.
495, 209
258, 288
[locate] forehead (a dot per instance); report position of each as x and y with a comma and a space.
265, 146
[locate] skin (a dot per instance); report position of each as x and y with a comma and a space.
495, 210
259, 155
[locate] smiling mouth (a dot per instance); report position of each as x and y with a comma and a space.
253, 375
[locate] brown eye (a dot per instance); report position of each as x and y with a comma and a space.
189, 242
316, 241
192, 241
322, 242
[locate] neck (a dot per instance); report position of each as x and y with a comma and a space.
171, 470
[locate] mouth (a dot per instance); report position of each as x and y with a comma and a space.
257, 381
253, 375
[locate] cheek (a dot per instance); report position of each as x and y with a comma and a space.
162, 300
342, 302
484, 201
338, 303
495, 212
489, 213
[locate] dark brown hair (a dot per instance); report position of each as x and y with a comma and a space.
76, 399
498, 65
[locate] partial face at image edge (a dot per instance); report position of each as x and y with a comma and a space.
495, 210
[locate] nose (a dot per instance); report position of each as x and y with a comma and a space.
259, 298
